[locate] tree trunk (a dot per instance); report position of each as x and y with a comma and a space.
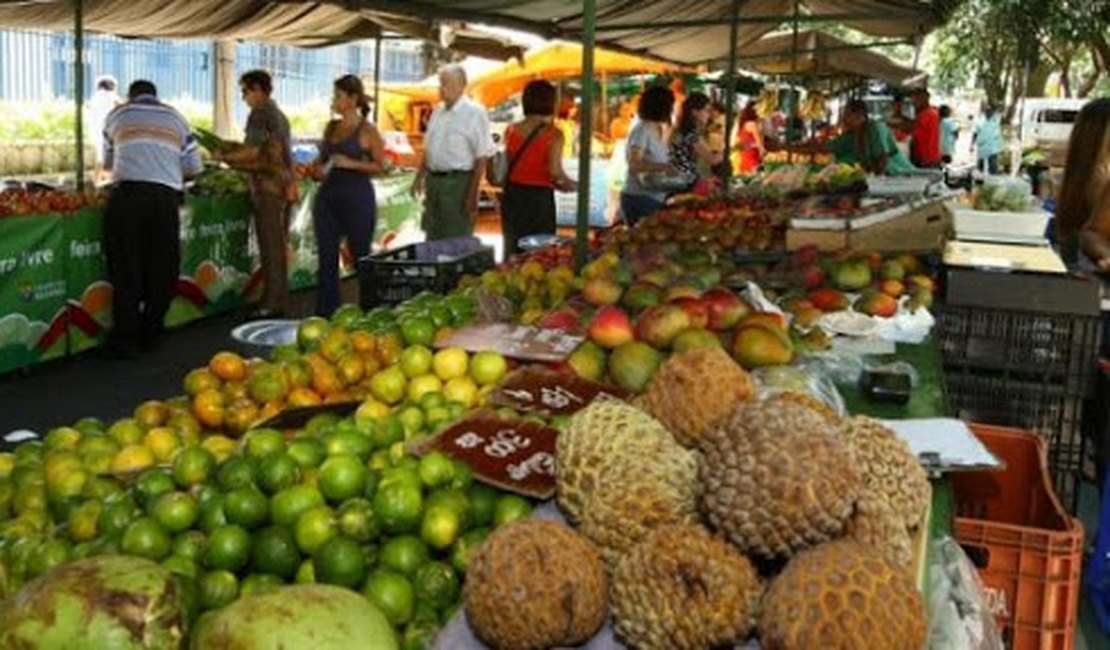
1038, 79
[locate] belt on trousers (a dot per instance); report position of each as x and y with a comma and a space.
452, 172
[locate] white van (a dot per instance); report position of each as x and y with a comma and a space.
1046, 124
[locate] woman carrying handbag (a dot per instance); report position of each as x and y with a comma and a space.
534, 149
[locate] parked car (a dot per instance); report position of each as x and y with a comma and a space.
1046, 124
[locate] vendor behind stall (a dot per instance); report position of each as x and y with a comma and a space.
863, 141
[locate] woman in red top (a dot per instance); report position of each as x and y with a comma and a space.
534, 148
749, 141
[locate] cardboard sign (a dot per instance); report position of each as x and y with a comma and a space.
508, 453
538, 390
516, 341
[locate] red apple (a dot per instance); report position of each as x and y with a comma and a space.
725, 309
610, 327
565, 319
696, 309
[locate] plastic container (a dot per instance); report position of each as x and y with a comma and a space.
1027, 548
395, 276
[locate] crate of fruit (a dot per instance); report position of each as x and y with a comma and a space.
395, 276
1028, 550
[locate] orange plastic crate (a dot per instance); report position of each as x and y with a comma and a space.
1029, 551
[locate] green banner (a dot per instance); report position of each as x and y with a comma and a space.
215, 260
32, 290
398, 221
88, 291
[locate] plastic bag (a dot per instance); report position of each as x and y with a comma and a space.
958, 613
801, 378
1004, 194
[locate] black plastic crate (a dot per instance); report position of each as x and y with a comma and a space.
1048, 410
1049, 348
395, 276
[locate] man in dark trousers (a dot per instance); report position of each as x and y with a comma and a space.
151, 151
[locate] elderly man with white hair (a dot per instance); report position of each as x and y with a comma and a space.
456, 147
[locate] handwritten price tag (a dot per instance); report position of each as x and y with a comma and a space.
538, 390
508, 453
515, 341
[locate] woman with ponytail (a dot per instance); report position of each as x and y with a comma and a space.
351, 152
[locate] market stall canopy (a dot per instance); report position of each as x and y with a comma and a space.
305, 24
818, 54
689, 32
559, 60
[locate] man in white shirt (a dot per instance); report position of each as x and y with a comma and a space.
96, 112
456, 147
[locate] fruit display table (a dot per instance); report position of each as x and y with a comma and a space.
56, 299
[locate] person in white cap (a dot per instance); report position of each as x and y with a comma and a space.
104, 99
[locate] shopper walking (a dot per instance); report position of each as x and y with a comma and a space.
986, 139
267, 155
456, 148
648, 154
534, 148
949, 133
351, 152
151, 151
925, 142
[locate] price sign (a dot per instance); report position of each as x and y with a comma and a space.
508, 453
538, 390
516, 341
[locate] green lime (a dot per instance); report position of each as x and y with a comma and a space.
278, 472
349, 442
398, 506
320, 423
483, 503
393, 594
431, 400
145, 538
440, 527
116, 517
152, 484
49, 554
408, 423
357, 520
236, 472
465, 546
418, 330
228, 548
435, 583
83, 521
217, 589
308, 452
342, 477
510, 508
436, 469
193, 465
101, 487
246, 507
175, 511
404, 554
90, 425
182, 566
264, 442
190, 544
206, 494
274, 551
306, 573
397, 475
340, 562
454, 499
464, 476
259, 583
288, 505
212, 514
315, 528
437, 418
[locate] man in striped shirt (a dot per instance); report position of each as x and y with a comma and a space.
151, 151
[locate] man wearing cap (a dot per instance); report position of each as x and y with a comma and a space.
925, 145
151, 151
456, 147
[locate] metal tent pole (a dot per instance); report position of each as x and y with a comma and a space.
585, 132
79, 87
730, 84
377, 77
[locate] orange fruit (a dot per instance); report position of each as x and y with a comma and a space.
228, 366
390, 347
336, 345
267, 384
370, 363
298, 374
363, 341
303, 397
199, 380
351, 369
209, 409
162, 442
186, 426
234, 390
241, 414
269, 410
325, 380
152, 414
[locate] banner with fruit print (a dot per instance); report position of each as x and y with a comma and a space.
32, 290
215, 258
88, 292
398, 224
